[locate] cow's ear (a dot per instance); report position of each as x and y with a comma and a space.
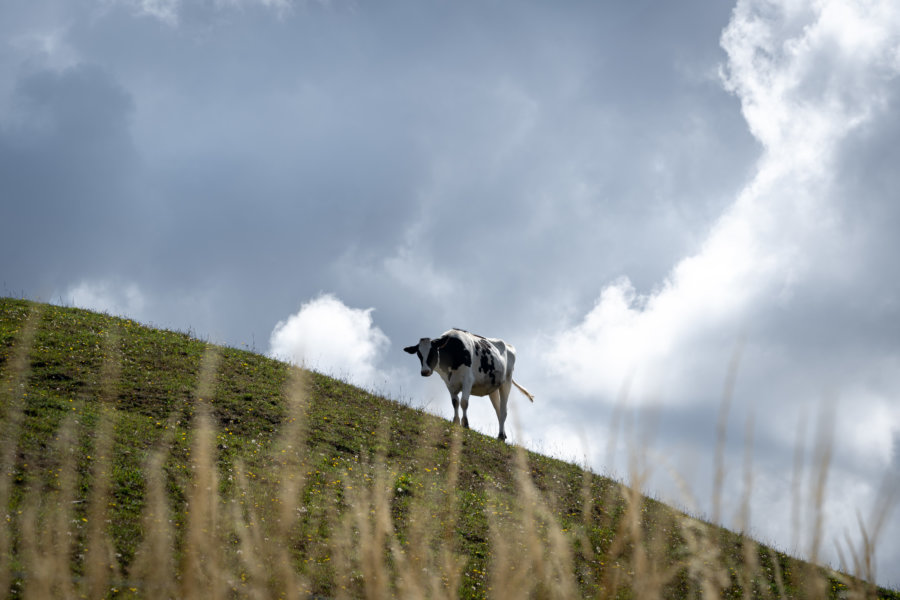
440, 343
411, 349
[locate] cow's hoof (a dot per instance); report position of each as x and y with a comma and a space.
501, 436
456, 420
465, 422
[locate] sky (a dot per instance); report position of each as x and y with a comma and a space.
683, 216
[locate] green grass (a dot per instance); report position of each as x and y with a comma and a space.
138, 462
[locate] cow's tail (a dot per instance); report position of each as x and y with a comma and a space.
523, 390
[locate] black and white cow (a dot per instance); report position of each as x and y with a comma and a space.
471, 365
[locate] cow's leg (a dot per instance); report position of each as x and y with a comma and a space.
455, 401
495, 400
503, 397
464, 402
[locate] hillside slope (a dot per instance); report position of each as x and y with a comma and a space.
136, 462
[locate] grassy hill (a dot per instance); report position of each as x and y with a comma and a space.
136, 462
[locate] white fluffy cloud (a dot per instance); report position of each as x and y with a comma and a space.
808, 75
331, 337
105, 296
762, 245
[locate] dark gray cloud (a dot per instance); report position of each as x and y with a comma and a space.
67, 165
275, 163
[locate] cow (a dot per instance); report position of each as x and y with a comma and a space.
470, 365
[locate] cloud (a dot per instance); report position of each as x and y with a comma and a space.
328, 336
67, 173
166, 11
48, 46
171, 12
480, 144
782, 267
281, 7
762, 248
105, 296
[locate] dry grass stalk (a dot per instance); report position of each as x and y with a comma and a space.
368, 553
631, 557
532, 556
648, 526
343, 546
722, 431
264, 560
292, 445
428, 566
254, 553
370, 522
373, 520
704, 558
292, 477
13, 387
823, 450
822, 453
154, 563
645, 575
587, 514
202, 575
863, 559
751, 567
453, 564
411, 565
885, 504
796, 483
100, 564
48, 540
779, 577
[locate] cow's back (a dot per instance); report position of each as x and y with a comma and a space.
490, 364
509, 355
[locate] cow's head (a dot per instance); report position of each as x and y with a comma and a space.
427, 351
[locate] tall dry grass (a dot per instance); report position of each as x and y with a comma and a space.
242, 539
12, 390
